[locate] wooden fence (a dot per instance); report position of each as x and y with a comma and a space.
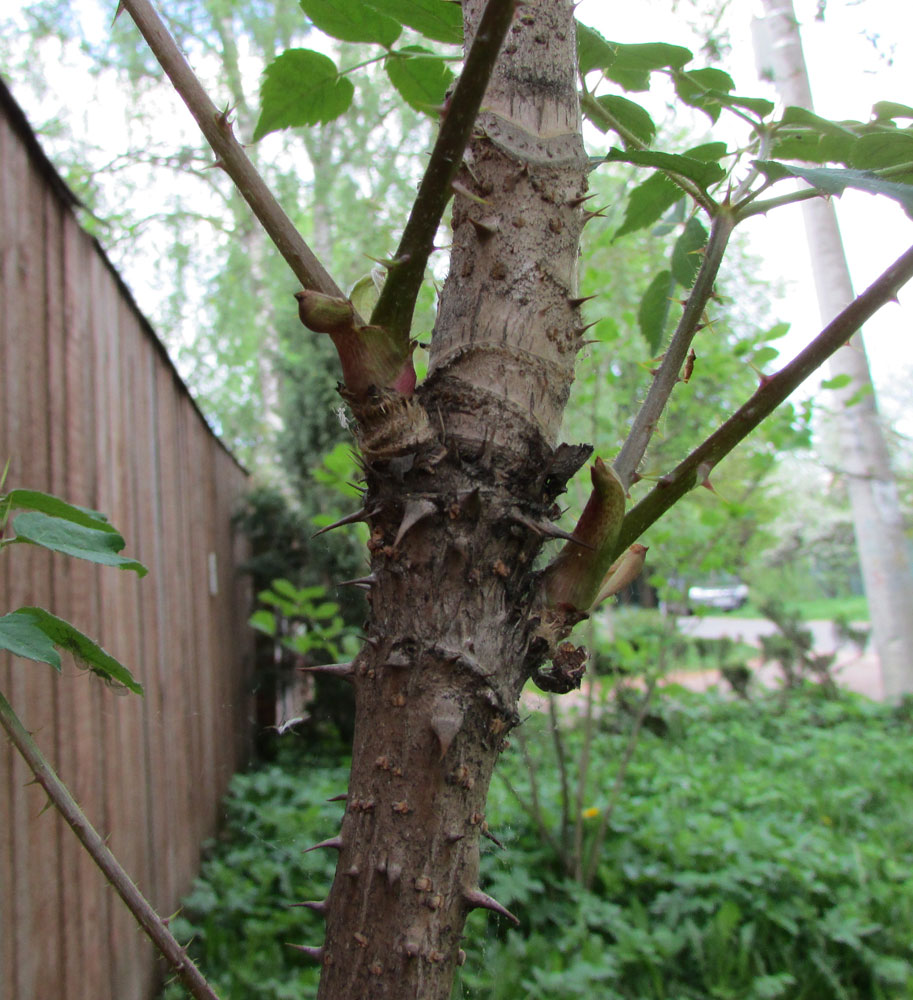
92, 410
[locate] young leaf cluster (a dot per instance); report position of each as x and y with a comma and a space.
58, 526
305, 87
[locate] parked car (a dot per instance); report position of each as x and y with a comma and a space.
725, 597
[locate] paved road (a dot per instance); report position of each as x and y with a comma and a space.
855, 670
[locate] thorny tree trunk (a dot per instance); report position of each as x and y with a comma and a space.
452, 475
864, 459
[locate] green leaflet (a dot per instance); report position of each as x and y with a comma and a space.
34, 633
72, 539
352, 21
699, 171
432, 18
886, 110
837, 382
630, 116
653, 313
830, 180
420, 77
55, 507
648, 202
628, 65
301, 87
593, 50
686, 256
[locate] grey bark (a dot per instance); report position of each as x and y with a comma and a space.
455, 477
863, 459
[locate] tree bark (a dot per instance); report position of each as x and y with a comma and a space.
863, 459
456, 476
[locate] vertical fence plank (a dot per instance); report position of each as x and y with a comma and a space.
8, 956
91, 409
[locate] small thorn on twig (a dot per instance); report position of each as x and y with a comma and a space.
579, 200
477, 899
341, 797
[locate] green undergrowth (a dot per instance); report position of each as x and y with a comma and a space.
854, 608
759, 850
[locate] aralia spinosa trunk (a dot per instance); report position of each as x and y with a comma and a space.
462, 473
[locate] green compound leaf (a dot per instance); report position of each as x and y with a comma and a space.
420, 77
434, 19
72, 539
686, 254
653, 313
55, 507
700, 172
301, 87
34, 633
831, 180
633, 64
352, 21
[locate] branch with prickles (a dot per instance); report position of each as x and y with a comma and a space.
369, 355
675, 356
576, 573
396, 304
215, 125
767, 397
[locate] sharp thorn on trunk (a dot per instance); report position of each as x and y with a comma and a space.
476, 899
415, 511
314, 953
364, 582
359, 515
344, 670
317, 905
334, 843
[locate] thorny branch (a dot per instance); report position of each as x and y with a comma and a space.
772, 391
90, 839
632, 451
216, 126
396, 304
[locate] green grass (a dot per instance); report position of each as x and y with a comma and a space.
854, 609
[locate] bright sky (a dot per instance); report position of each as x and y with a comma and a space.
861, 53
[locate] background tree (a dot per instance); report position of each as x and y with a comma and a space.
863, 454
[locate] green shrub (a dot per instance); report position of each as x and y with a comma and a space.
758, 850
754, 853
